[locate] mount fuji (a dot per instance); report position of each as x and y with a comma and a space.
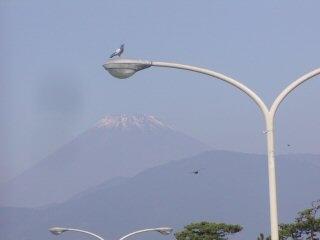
117, 146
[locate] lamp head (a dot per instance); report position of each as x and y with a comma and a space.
165, 230
57, 230
124, 68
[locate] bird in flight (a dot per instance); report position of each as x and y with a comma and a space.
195, 172
118, 52
288, 145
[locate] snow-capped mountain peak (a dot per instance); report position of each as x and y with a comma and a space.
124, 121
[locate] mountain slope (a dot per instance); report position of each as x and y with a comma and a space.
117, 146
231, 187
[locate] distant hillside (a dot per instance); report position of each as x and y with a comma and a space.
118, 146
230, 187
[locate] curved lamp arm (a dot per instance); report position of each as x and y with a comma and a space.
290, 88
163, 231
220, 76
59, 230
124, 68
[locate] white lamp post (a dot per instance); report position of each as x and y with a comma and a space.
161, 230
124, 68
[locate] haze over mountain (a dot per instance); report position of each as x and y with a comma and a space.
232, 188
116, 146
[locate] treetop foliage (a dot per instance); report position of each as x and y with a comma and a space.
207, 231
305, 226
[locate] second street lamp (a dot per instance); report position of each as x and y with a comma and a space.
124, 68
161, 230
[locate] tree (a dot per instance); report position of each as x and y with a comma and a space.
308, 221
306, 225
207, 231
290, 231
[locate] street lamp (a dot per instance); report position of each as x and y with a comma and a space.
161, 230
60, 230
124, 68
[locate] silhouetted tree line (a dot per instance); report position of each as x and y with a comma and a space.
306, 226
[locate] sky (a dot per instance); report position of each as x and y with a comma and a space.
53, 86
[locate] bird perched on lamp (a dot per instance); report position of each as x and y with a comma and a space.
118, 52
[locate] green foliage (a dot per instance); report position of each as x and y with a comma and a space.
306, 225
207, 231
289, 231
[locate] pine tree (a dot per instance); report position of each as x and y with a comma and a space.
306, 225
207, 231
308, 221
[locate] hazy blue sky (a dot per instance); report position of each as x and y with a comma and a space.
53, 85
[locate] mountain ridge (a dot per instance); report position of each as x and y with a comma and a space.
123, 146
232, 188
